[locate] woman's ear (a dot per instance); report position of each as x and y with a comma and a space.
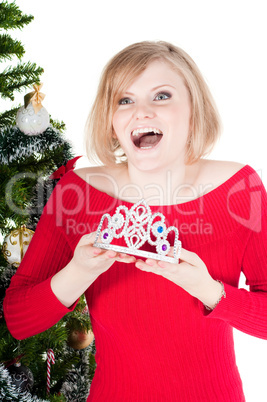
114, 135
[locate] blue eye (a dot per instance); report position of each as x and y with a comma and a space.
162, 96
125, 101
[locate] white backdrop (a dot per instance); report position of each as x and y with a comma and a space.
72, 41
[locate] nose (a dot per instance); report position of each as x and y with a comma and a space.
144, 111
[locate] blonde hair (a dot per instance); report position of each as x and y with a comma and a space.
101, 143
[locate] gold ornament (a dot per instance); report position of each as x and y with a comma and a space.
80, 339
35, 97
16, 244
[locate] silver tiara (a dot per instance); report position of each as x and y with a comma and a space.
137, 225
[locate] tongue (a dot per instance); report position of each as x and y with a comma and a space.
149, 140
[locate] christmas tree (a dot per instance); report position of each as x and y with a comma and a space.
31, 163
24, 74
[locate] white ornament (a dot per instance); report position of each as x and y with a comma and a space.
32, 123
16, 244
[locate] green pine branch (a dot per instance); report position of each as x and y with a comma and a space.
8, 118
11, 16
24, 75
18, 78
58, 125
10, 47
8, 391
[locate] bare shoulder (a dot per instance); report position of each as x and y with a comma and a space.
218, 172
103, 178
90, 171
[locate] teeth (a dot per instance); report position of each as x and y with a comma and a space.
146, 130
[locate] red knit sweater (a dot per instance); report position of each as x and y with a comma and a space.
154, 341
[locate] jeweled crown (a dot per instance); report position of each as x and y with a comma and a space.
137, 225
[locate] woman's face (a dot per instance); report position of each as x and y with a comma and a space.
152, 119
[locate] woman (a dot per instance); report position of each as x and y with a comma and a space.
163, 331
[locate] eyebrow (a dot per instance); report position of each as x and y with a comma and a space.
153, 89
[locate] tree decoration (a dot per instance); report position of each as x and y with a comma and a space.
9, 392
79, 326
16, 244
50, 359
26, 164
21, 376
76, 386
33, 118
80, 339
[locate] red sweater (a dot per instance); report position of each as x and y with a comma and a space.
154, 341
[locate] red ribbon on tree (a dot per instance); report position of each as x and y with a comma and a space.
64, 169
15, 360
50, 359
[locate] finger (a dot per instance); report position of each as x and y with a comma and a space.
140, 264
115, 255
151, 262
127, 259
108, 254
124, 256
96, 252
87, 239
170, 252
189, 257
148, 265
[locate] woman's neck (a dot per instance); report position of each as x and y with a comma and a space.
165, 187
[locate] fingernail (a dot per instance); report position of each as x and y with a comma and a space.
111, 254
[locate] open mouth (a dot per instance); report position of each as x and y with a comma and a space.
146, 138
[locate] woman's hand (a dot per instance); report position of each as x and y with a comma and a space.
191, 274
93, 260
87, 264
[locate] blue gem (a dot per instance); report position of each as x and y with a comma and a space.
160, 229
